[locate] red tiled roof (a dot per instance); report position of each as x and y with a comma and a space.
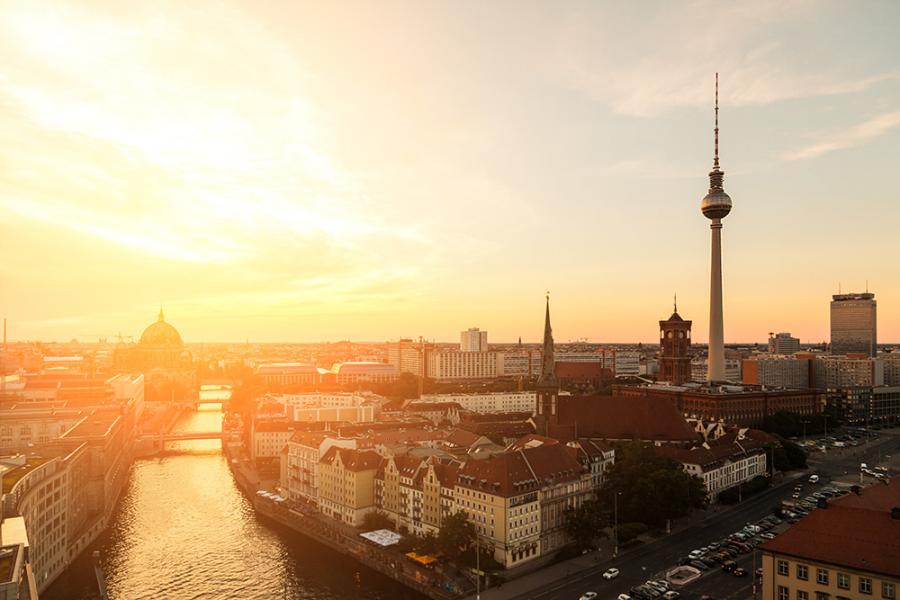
581, 370
624, 418
856, 538
520, 471
462, 438
353, 460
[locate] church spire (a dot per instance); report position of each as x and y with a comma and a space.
162, 317
548, 363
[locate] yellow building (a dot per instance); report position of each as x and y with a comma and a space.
848, 550
347, 484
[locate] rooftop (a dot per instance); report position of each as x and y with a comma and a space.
848, 533
12, 477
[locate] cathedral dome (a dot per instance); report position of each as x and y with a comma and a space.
161, 334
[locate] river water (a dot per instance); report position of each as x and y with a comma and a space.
183, 530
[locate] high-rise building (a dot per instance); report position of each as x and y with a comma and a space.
783, 343
473, 340
853, 324
715, 206
674, 349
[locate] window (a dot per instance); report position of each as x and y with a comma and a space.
822, 576
865, 585
802, 595
802, 572
888, 590
843, 581
782, 593
822, 596
782, 567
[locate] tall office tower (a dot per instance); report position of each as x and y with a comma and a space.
674, 349
715, 206
853, 324
783, 343
473, 340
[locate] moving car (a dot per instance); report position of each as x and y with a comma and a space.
814, 479
739, 572
611, 573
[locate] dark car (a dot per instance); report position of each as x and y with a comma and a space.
739, 572
684, 560
729, 566
699, 565
759, 572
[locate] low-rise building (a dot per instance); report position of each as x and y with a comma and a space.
846, 550
488, 402
725, 462
287, 374
304, 451
349, 373
328, 407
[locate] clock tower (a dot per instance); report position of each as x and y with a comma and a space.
674, 349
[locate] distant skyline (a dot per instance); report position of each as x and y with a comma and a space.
367, 171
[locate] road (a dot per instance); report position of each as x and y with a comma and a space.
653, 559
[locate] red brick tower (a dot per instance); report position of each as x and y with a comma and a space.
674, 349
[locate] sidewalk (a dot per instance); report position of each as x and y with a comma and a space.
541, 576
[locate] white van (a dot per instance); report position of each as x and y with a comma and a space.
814, 479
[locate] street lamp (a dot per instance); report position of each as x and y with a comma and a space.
616, 523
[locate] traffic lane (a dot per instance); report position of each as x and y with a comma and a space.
720, 584
655, 557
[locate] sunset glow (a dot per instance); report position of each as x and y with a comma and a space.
321, 171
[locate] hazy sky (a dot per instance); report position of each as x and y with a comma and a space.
326, 170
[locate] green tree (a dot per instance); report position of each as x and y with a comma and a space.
585, 523
455, 536
650, 488
376, 520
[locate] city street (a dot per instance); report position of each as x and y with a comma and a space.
652, 560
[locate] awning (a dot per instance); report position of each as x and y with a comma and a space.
425, 559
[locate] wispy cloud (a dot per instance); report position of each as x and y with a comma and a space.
683, 45
848, 138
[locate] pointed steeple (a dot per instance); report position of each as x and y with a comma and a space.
675, 303
162, 317
548, 363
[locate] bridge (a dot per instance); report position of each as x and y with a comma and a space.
182, 436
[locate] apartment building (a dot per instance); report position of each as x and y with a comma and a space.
331, 407
456, 365
346, 484
777, 371
517, 499
725, 462
845, 551
304, 451
491, 402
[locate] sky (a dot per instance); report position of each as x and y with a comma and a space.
312, 171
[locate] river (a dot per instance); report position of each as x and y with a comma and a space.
183, 530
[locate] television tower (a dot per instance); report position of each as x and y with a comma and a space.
715, 206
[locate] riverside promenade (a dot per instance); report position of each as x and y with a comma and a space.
435, 583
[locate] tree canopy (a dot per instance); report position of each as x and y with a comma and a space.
585, 523
455, 536
650, 488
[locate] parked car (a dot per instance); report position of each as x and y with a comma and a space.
729, 566
671, 595
739, 572
814, 478
588, 596
611, 573
699, 565
768, 536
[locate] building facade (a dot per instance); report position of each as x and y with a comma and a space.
854, 324
473, 340
783, 343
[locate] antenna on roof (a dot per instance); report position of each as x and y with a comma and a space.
716, 149
676, 301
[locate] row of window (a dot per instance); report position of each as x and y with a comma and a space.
864, 585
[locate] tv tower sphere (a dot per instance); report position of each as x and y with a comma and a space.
716, 204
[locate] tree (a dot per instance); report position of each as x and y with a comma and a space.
455, 536
796, 456
650, 488
585, 523
376, 520
629, 531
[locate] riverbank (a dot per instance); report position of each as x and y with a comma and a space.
343, 539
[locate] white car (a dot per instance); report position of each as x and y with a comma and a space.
623, 597
695, 554
814, 479
611, 573
671, 595
588, 596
